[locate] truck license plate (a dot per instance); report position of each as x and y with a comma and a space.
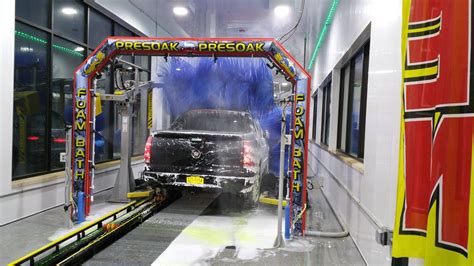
196, 180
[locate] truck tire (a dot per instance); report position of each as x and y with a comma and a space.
250, 200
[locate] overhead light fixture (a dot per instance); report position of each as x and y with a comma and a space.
281, 11
69, 11
284, 83
180, 11
79, 49
322, 34
178, 69
28, 37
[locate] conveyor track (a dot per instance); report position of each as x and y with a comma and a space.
82, 243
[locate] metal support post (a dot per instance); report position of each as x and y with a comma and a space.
142, 116
125, 181
279, 240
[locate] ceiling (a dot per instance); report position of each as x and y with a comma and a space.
231, 18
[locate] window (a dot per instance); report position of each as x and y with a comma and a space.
45, 59
326, 113
352, 104
121, 31
315, 114
69, 18
102, 26
35, 11
30, 100
144, 62
66, 57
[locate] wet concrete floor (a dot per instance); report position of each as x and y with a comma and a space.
197, 230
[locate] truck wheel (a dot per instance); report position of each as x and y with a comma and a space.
250, 200
269, 182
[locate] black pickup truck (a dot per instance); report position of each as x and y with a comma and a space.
210, 149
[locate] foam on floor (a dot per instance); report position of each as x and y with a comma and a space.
97, 211
248, 234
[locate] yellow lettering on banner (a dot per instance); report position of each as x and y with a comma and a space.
299, 97
119, 44
155, 46
137, 45
80, 164
174, 46
80, 125
79, 175
298, 122
202, 46
81, 92
146, 46
297, 152
164, 47
240, 47
80, 142
299, 134
128, 45
297, 164
80, 153
211, 47
80, 104
230, 47
81, 114
221, 47
299, 110
295, 174
296, 186
250, 48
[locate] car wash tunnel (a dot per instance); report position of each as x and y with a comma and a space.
228, 132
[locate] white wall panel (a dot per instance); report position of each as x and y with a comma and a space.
31, 200
376, 186
7, 55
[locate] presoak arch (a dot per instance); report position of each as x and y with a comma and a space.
82, 162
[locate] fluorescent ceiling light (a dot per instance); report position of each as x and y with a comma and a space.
178, 69
69, 11
180, 11
79, 49
281, 11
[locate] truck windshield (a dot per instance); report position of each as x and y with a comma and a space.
213, 120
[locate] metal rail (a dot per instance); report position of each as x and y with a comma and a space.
115, 231
86, 235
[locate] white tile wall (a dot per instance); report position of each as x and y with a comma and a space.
376, 187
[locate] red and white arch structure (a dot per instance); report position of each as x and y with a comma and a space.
82, 163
